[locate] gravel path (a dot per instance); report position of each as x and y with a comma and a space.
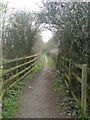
38, 99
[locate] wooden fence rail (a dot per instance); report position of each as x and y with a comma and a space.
67, 74
15, 70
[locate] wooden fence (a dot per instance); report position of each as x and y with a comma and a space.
80, 75
15, 70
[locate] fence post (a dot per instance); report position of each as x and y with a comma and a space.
69, 83
1, 86
84, 90
25, 64
16, 71
61, 66
64, 68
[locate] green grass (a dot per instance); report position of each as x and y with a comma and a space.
10, 100
57, 87
40, 64
51, 61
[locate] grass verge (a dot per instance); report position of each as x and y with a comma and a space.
51, 62
10, 100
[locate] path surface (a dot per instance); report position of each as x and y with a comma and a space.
38, 99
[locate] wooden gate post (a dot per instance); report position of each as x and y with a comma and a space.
61, 66
84, 90
69, 83
64, 68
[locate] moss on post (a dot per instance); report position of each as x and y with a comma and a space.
69, 82
84, 90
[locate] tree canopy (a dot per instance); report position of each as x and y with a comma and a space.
71, 26
19, 33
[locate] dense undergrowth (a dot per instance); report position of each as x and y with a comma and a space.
10, 100
67, 105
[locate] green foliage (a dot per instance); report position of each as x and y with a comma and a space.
51, 61
40, 64
69, 23
10, 100
68, 104
57, 88
51, 44
19, 35
2, 7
